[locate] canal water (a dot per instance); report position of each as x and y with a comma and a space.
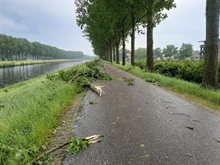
12, 75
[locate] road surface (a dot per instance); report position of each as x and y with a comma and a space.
144, 124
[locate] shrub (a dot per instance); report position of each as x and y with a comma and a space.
187, 70
170, 69
191, 71
140, 64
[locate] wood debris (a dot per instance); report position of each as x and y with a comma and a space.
97, 89
90, 140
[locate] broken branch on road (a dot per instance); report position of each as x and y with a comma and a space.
97, 89
75, 146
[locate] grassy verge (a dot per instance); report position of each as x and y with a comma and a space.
28, 112
208, 97
4, 64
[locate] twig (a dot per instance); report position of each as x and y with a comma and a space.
51, 151
91, 140
97, 89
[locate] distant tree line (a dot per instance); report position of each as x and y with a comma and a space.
169, 52
12, 48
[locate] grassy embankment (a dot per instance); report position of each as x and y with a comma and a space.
4, 64
192, 91
30, 110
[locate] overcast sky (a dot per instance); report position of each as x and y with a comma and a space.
53, 22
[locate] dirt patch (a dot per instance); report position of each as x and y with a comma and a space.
63, 133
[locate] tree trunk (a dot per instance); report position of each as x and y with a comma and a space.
210, 77
133, 40
110, 52
150, 13
107, 52
114, 53
117, 53
123, 45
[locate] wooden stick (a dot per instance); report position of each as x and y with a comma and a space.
97, 89
51, 151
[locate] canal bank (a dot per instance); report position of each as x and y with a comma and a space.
31, 110
4, 64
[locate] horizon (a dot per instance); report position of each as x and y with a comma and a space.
53, 23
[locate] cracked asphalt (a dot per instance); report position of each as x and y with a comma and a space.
145, 125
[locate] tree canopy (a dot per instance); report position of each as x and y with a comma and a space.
107, 23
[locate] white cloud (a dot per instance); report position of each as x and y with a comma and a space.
49, 21
8, 24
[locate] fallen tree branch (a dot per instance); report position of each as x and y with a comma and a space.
90, 139
97, 89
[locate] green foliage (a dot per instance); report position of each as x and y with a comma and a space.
12, 48
84, 75
186, 51
141, 64
140, 53
76, 145
158, 53
191, 71
130, 81
108, 22
31, 109
51, 76
92, 102
187, 70
168, 68
170, 50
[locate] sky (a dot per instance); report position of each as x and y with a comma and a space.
52, 22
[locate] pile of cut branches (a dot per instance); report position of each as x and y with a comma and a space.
84, 75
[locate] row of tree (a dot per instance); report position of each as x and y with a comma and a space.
12, 48
107, 23
169, 52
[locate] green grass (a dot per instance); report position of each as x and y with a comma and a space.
208, 97
29, 111
4, 64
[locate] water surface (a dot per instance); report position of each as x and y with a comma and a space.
12, 75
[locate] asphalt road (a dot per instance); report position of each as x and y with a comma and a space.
144, 124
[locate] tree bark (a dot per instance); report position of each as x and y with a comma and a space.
114, 53
117, 53
123, 45
110, 52
150, 13
210, 77
133, 40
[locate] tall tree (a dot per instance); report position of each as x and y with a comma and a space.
186, 51
158, 53
210, 77
154, 16
136, 10
170, 50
